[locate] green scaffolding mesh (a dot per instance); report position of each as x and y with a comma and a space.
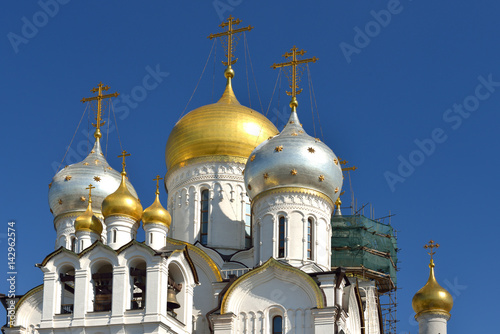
360, 241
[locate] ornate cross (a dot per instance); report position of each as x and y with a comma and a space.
90, 187
157, 179
124, 155
294, 63
231, 21
431, 245
100, 88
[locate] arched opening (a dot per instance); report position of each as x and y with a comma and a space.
248, 225
73, 244
204, 217
67, 289
281, 237
310, 238
102, 279
277, 324
137, 285
176, 295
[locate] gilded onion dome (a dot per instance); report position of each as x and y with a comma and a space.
222, 131
66, 191
88, 221
122, 202
432, 298
156, 213
293, 159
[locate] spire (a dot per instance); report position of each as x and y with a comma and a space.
90, 187
230, 44
338, 203
157, 179
100, 88
124, 155
294, 78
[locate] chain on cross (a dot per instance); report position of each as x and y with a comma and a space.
230, 23
100, 88
294, 78
431, 245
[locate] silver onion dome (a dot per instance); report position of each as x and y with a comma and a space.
67, 191
293, 159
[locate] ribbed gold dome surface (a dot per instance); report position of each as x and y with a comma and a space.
225, 128
88, 222
156, 214
432, 298
122, 203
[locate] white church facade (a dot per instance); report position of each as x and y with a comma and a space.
243, 246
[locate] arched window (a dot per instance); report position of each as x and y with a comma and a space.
103, 287
281, 237
137, 285
310, 238
67, 279
204, 217
248, 225
73, 244
277, 324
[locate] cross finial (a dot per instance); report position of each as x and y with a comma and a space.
157, 179
230, 23
90, 187
124, 155
294, 78
100, 88
431, 245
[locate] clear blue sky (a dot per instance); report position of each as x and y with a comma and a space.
379, 93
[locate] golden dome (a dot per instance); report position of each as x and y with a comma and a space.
217, 131
156, 213
432, 298
88, 222
122, 203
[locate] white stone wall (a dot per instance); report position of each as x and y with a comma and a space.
227, 200
296, 208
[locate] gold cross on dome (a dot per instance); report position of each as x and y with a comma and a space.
124, 155
100, 88
230, 23
294, 62
431, 245
157, 179
90, 187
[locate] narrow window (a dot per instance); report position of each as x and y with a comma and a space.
248, 226
114, 236
73, 244
281, 237
309, 238
150, 238
277, 324
204, 217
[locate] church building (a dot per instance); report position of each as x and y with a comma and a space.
242, 245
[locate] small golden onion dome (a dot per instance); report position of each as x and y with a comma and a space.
122, 203
432, 298
156, 213
88, 222
222, 129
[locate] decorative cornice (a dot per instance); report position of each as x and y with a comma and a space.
294, 190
